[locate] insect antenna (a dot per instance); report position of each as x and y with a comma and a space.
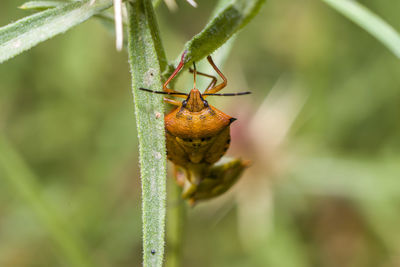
161, 92
230, 94
194, 74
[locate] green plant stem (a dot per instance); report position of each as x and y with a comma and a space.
24, 183
147, 60
176, 216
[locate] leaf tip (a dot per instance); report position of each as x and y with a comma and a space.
23, 6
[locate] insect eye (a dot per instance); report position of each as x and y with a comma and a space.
184, 103
205, 103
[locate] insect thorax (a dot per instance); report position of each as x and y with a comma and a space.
196, 125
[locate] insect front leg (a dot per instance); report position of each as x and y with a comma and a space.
178, 69
172, 101
220, 86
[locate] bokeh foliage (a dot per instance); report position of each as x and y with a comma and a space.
327, 194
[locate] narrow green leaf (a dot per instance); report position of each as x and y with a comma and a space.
28, 32
18, 174
228, 20
220, 55
370, 22
105, 17
41, 5
147, 60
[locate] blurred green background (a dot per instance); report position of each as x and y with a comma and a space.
321, 128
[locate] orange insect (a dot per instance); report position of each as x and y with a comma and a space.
197, 136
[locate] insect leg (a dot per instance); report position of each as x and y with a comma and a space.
219, 86
188, 189
180, 66
172, 101
179, 176
182, 179
213, 82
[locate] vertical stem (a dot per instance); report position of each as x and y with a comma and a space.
176, 216
147, 60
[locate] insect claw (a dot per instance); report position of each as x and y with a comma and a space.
192, 202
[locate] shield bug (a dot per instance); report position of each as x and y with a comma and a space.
198, 135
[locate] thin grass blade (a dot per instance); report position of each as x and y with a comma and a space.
370, 22
23, 181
